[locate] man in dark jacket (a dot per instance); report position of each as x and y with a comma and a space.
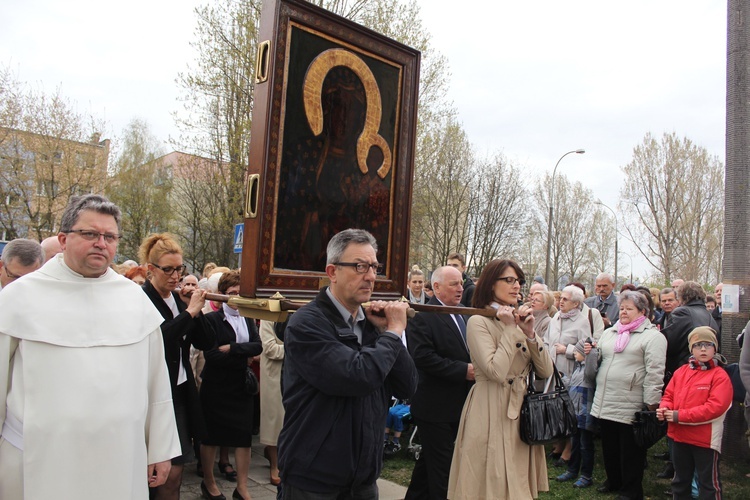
437, 342
691, 314
342, 365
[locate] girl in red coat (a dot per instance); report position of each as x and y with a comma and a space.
694, 404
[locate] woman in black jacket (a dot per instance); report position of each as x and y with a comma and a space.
184, 325
227, 404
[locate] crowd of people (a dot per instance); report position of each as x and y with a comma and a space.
130, 372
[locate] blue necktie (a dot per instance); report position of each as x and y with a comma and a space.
461, 325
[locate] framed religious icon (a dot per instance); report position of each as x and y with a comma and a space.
332, 147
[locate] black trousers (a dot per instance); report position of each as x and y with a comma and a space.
623, 459
429, 480
362, 492
705, 462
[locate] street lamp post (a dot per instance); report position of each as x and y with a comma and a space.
631, 265
617, 233
549, 222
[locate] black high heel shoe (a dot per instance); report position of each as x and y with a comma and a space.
231, 476
207, 494
236, 495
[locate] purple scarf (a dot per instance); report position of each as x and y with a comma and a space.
572, 314
623, 333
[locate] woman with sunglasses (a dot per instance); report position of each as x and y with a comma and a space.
184, 325
489, 459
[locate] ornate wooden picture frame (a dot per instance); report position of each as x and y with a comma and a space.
332, 147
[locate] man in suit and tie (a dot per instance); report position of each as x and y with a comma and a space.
437, 342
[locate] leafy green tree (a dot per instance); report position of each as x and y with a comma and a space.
672, 202
218, 103
441, 205
48, 152
577, 227
140, 186
497, 213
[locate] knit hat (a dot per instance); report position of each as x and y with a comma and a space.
579, 347
702, 334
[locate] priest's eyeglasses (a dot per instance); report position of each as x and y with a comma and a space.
169, 270
362, 267
94, 235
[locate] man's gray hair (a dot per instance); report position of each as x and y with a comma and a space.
605, 276
94, 202
576, 294
337, 245
28, 252
637, 298
690, 291
667, 290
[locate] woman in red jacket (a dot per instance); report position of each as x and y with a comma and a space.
694, 404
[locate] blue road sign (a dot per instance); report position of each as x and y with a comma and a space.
239, 234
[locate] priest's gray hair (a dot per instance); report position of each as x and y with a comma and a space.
94, 202
337, 245
27, 252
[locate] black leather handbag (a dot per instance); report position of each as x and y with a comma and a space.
647, 429
547, 417
252, 387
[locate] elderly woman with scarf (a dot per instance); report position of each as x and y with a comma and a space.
630, 376
567, 327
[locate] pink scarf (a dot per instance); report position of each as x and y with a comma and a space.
623, 332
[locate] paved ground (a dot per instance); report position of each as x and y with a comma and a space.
259, 484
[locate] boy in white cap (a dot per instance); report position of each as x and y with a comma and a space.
694, 404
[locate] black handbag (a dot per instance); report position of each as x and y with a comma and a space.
647, 429
251, 382
547, 417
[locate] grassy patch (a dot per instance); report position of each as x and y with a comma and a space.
736, 486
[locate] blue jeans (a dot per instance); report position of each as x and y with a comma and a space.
582, 456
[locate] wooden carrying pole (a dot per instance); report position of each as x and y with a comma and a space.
291, 305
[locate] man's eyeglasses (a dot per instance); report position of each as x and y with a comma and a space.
94, 235
169, 270
703, 345
512, 281
362, 267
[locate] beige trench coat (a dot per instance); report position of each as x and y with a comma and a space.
490, 461
271, 409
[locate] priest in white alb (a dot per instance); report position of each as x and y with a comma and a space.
85, 403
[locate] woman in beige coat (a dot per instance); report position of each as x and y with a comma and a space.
489, 460
271, 409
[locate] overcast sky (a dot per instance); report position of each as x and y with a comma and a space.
531, 79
